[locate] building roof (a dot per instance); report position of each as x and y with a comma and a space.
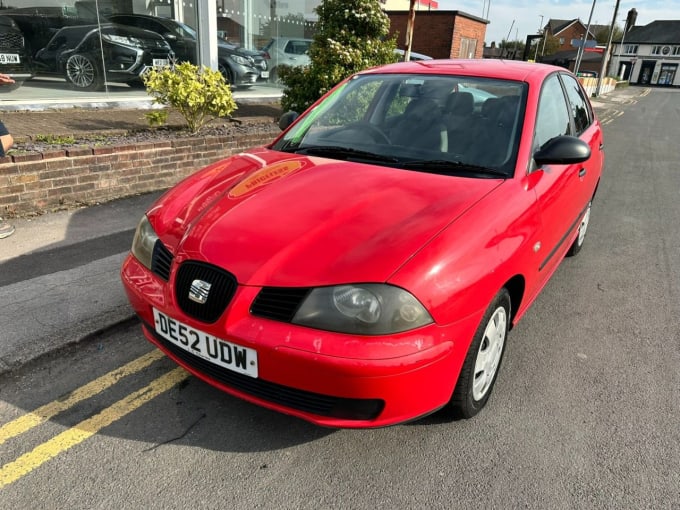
558, 25
656, 32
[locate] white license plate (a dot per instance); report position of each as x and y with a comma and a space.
160, 62
199, 343
9, 58
264, 74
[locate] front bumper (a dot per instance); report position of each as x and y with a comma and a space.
392, 384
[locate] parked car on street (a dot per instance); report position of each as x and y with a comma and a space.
365, 268
14, 59
288, 51
413, 56
75, 53
239, 66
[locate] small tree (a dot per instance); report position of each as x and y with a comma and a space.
198, 95
352, 36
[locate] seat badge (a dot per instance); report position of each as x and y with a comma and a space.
199, 290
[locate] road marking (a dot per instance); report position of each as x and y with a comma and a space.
25, 423
16, 469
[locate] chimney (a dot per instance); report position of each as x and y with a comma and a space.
631, 19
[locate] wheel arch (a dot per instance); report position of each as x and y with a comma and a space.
516, 287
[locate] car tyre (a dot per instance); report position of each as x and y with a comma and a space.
227, 73
83, 72
483, 360
582, 230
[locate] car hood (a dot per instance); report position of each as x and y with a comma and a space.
284, 220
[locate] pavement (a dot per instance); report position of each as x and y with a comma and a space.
59, 273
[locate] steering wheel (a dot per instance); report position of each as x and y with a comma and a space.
366, 128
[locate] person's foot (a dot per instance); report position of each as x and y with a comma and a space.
6, 230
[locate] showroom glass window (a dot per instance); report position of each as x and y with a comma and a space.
245, 25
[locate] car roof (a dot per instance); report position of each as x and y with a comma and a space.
142, 16
106, 27
515, 70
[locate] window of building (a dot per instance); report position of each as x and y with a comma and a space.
656, 50
676, 50
38, 36
468, 47
631, 49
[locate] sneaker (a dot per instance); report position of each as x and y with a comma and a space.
6, 230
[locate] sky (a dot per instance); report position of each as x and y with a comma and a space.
526, 14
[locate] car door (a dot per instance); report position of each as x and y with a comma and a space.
561, 191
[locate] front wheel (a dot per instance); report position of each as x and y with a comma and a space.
226, 73
483, 360
83, 73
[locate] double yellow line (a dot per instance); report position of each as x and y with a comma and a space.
26, 463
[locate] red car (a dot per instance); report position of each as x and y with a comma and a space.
365, 268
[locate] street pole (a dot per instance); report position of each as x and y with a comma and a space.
605, 56
579, 55
538, 43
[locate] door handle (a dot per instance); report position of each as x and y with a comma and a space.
582, 173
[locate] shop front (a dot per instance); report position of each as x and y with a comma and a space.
100, 49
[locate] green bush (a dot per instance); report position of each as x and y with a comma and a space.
352, 35
157, 118
199, 95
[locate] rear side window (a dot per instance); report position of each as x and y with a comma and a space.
553, 116
580, 107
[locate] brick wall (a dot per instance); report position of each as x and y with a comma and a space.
34, 183
438, 34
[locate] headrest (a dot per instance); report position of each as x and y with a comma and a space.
421, 108
460, 103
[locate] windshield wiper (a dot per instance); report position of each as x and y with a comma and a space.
335, 151
443, 166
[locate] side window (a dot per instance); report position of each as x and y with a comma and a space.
580, 107
553, 117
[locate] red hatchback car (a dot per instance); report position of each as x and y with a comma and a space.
365, 268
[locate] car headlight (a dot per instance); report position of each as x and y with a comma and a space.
241, 60
366, 309
121, 39
143, 242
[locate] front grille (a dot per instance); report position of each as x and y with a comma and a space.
278, 303
222, 286
161, 260
11, 41
306, 401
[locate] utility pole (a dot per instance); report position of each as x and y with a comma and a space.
605, 57
538, 43
409, 30
585, 39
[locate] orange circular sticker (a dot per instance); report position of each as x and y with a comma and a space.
263, 177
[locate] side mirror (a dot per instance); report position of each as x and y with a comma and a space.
562, 150
287, 119
170, 36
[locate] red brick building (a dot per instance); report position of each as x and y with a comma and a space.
441, 34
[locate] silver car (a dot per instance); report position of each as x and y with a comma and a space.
289, 51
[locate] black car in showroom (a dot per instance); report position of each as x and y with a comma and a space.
75, 53
14, 59
239, 66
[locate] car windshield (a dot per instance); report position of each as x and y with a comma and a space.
453, 125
